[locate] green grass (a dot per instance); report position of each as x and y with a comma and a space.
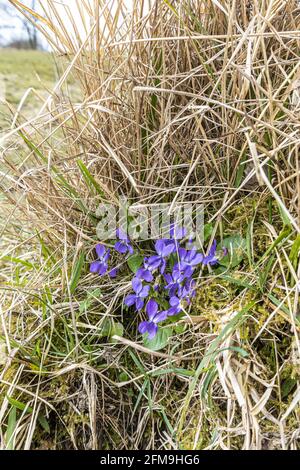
21, 70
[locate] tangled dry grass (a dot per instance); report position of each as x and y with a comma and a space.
180, 101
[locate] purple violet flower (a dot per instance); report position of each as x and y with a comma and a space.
154, 316
189, 258
175, 308
113, 272
176, 232
211, 258
101, 265
163, 249
123, 245
144, 274
174, 281
188, 290
141, 292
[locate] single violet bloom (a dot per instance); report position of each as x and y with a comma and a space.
175, 303
101, 265
151, 326
141, 292
174, 281
123, 245
211, 258
188, 260
149, 266
144, 274
163, 249
188, 291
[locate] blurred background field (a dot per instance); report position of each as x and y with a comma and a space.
21, 70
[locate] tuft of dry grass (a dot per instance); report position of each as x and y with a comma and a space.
190, 101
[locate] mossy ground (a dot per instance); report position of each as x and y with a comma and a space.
219, 295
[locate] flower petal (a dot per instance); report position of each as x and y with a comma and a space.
159, 246
95, 266
168, 248
113, 272
130, 249
147, 275
153, 262
163, 266
178, 232
144, 292
213, 248
100, 250
143, 327
139, 303
106, 256
172, 311
152, 330
137, 285
176, 275
197, 259
120, 247
130, 300
121, 235
161, 316
144, 274
151, 308
102, 269
188, 271
182, 252
174, 301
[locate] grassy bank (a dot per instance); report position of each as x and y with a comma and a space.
190, 103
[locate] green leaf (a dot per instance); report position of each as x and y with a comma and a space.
134, 262
19, 405
123, 377
237, 281
89, 179
44, 423
77, 272
295, 251
240, 171
237, 250
264, 272
12, 419
179, 328
285, 219
11, 259
282, 236
160, 340
91, 296
174, 370
207, 231
240, 351
110, 328
287, 386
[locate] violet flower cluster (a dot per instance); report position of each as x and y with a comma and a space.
164, 284
165, 281
100, 266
